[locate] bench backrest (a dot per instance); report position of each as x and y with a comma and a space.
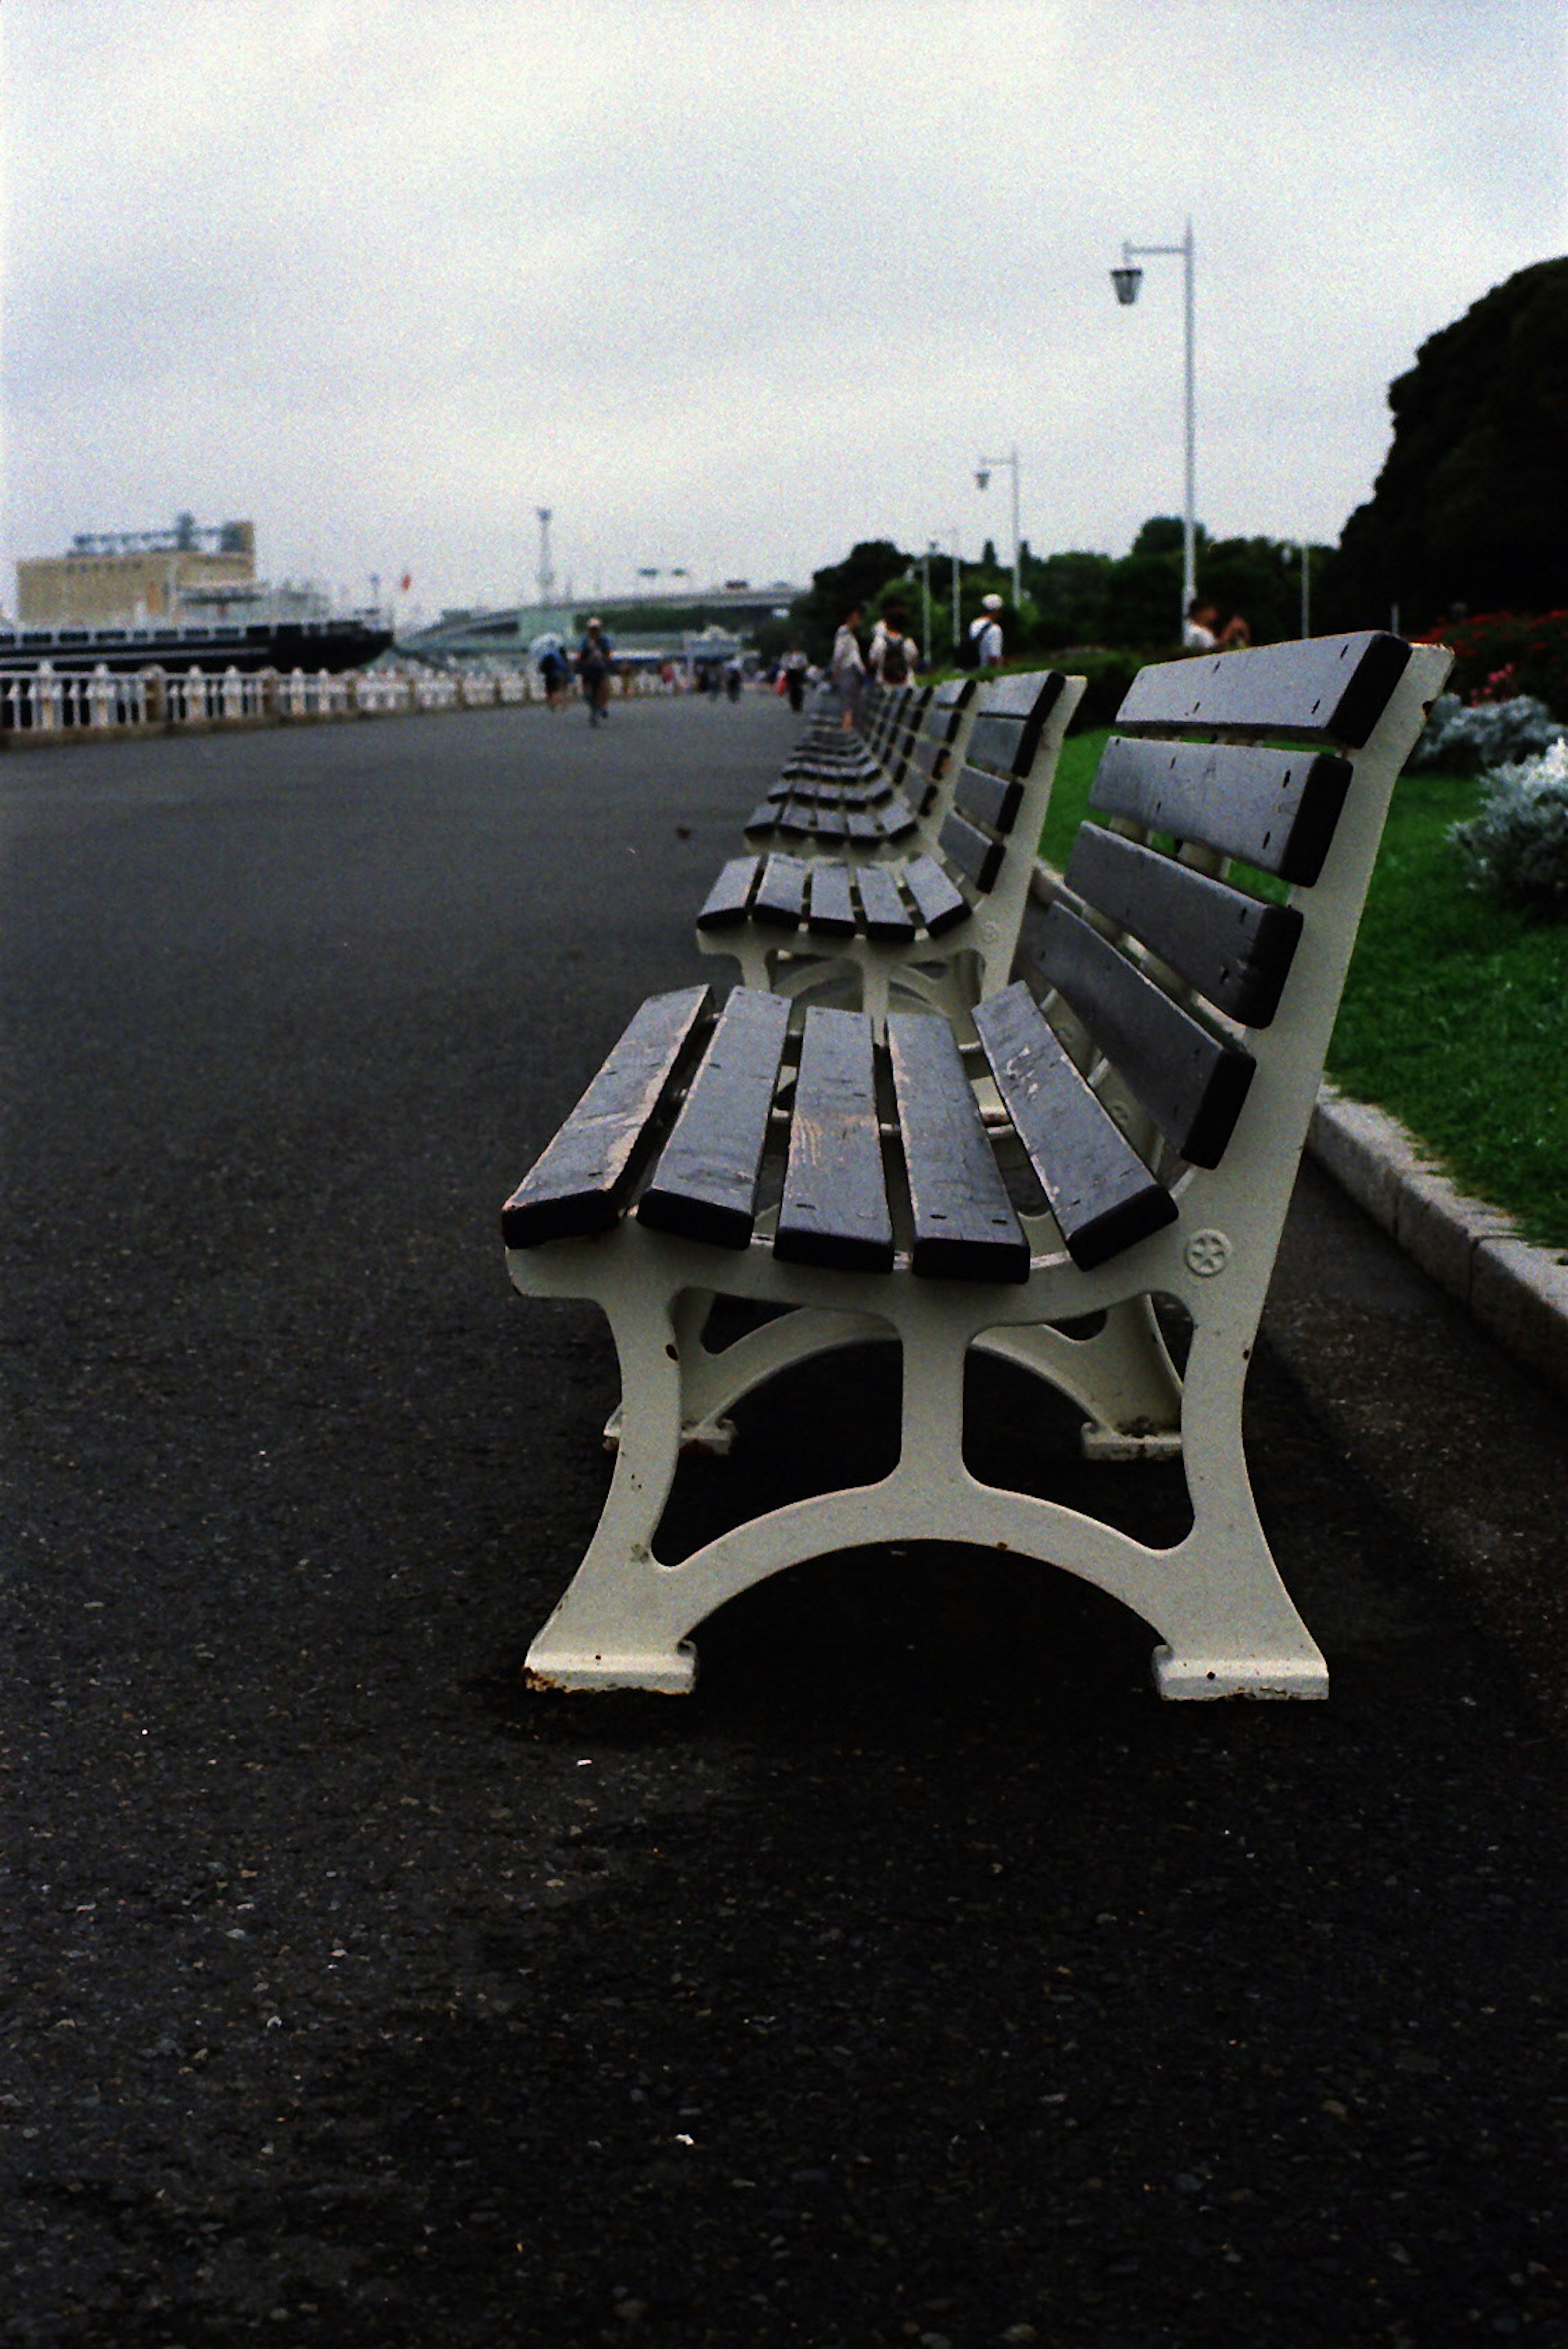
936, 741
999, 757
1180, 987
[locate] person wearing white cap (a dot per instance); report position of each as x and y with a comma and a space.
986, 633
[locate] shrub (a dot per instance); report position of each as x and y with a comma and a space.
1518, 842
1109, 675
1463, 739
1499, 654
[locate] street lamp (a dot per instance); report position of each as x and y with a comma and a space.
545, 574
984, 469
1126, 281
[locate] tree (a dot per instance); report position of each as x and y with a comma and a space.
1471, 505
838, 587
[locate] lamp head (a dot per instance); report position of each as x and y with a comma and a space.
983, 475
1126, 281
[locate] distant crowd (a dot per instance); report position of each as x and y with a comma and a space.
890, 655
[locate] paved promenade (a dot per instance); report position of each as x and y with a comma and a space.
920, 1979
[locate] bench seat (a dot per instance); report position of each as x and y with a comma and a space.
1122, 1128
887, 796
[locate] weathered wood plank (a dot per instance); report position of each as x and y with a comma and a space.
583, 1179
973, 851
780, 900
1233, 948
1099, 1190
704, 1185
1006, 733
885, 913
831, 911
940, 904
965, 1228
993, 801
725, 905
1192, 1082
1329, 689
1273, 808
835, 1207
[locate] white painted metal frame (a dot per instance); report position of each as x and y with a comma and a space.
1225, 1623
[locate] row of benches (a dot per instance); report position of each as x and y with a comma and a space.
886, 1132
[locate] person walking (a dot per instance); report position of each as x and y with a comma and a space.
847, 669
985, 634
895, 655
554, 672
794, 667
594, 669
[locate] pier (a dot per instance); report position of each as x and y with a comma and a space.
878, 1993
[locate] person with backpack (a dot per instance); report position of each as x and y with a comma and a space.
894, 655
981, 648
594, 669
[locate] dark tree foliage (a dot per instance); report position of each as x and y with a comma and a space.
1070, 593
1471, 506
859, 579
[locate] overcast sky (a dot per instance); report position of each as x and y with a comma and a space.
731, 284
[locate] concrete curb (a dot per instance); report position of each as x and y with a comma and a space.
1517, 1291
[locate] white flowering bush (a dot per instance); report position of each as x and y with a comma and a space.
1518, 842
1468, 738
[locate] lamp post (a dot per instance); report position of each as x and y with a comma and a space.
983, 470
1126, 281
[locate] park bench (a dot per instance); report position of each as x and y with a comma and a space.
829, 749
1125, 1129
854, 804
938, 926
895, 802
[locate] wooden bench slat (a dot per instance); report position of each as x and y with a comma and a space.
965, 1228
1006, 734
1030, 694
1192, 1082
831, 913
780, 900
725, 905
704, 1185
835, 1207
1099, 1190
939, 904
1329, 689
1234, 949
1273, 808
993, 801
581, 1180
886, 915
973, 851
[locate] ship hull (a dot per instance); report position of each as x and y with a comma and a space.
308, 644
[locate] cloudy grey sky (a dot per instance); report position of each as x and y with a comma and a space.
729, 284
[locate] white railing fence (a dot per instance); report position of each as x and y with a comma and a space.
45, 702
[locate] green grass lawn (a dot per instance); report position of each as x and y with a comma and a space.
1455, 1016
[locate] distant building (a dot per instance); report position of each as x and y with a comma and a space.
133, 577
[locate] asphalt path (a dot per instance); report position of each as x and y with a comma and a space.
919, 1978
